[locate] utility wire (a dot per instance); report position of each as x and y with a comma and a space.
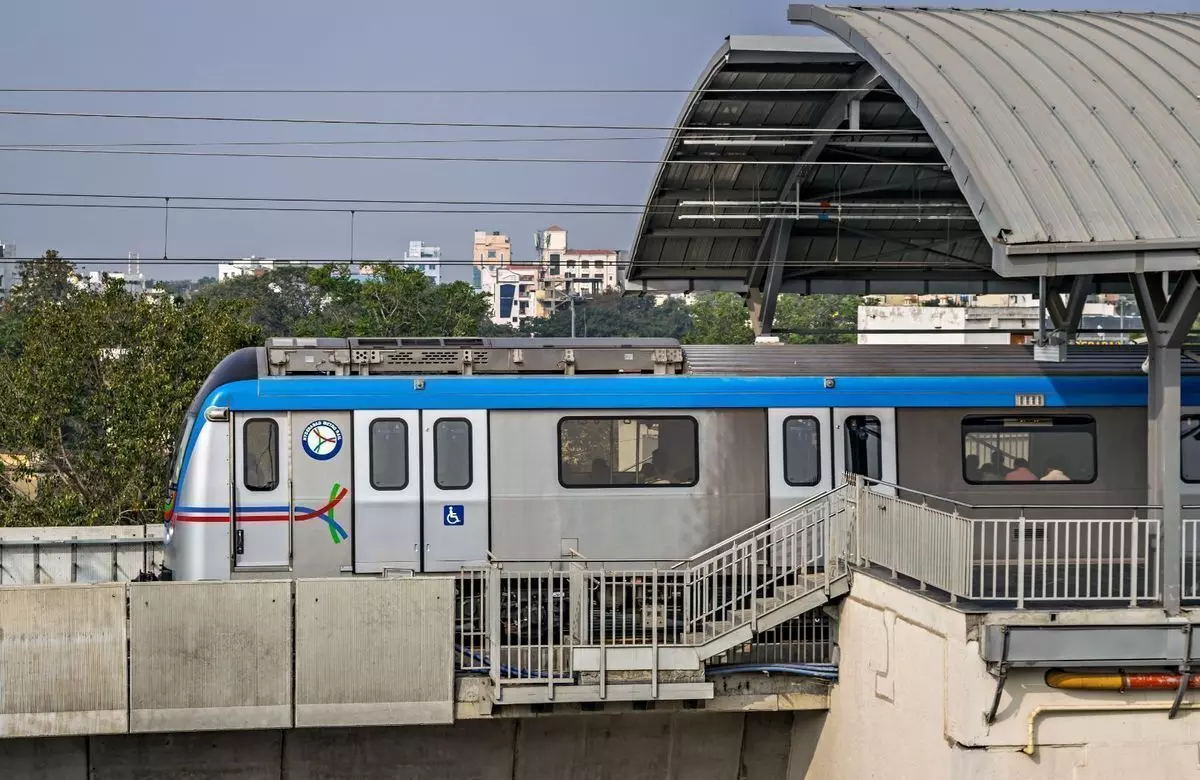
376, 201
330, 210
549, 91
430, 123
372, 142
437, 158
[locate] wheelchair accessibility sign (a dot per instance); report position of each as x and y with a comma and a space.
453, 514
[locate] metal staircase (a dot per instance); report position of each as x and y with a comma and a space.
590, 631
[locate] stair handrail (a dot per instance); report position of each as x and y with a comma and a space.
754, 529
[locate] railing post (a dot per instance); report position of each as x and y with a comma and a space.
1021, 560
551, 644
654, 636
492, 584
1135, 530
603, 649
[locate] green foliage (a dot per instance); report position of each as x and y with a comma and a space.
719, 318
95, 396
98, 381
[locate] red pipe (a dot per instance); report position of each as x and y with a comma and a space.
1117, 681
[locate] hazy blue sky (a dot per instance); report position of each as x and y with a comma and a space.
349, 44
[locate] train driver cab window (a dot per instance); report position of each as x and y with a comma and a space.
1006, 449
389, 454
452, 454
801, 451
1189, 448
864, 450
628, 452
260, 454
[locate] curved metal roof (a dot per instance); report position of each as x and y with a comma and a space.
1079, 129
933, 151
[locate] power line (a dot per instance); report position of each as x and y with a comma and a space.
431, 123
438, 158
320, 210
376, 201
472, 91
371, 142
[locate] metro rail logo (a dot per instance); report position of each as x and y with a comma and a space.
321, 439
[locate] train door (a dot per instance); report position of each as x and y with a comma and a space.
321, 460
454, 480
387, 491
864, 442
262, 533
798, 454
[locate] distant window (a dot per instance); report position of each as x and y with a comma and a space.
452, 454
554, 259
864, 446
801, 451
389, 454
570, 262
1007, 449
491, 254
260, 454
1189, 448
628, 452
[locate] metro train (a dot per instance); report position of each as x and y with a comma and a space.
331, 457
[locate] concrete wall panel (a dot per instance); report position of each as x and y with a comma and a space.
374, 651
210, 655
469, 750
62, 660
640, 746
44, 758
235, 755
53, 561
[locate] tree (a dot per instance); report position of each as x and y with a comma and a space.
607, 315
817, 312
719, 318
94, 398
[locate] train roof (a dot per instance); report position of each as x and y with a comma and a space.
419, 356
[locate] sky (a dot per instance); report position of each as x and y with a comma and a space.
351, 44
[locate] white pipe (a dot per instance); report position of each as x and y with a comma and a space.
1153, 706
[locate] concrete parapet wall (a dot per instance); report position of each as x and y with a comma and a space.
63, 660
912, 680
636, 746
210, 655
374, 651
35, 556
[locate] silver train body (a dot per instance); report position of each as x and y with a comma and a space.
360, 457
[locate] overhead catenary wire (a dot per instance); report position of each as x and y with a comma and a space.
445, 124
459, 158
422, 91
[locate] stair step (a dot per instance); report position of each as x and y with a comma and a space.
766, 605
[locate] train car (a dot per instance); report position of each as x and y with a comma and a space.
328, 457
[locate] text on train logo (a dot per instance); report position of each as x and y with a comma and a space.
321, 439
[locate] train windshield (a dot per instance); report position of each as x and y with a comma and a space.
181, 446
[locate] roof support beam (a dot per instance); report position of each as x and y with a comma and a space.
704, 233
762, 301
1066, 316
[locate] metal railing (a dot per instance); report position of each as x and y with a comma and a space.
525, 626
1014, 560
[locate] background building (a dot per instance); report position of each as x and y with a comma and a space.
253, 265
489, 251
8, 268
590, 271
986, 319
427, 259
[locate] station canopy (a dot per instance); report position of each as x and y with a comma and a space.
932, 151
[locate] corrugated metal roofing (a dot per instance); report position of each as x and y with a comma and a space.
912, 360
1068, 127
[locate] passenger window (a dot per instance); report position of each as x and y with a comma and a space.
1008, 449
864, 446
801, 451
1189, 448
260, 453
628, 452
389, 454
452, 454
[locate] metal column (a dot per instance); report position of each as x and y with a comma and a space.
1168, 312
